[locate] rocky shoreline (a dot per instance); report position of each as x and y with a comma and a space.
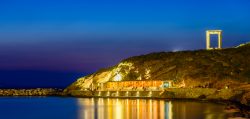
31, 92
232, 99
205, 94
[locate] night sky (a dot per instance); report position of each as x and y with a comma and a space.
50, 43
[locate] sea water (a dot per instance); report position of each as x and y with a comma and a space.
107, 108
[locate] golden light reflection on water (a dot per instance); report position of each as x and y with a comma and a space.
111, 108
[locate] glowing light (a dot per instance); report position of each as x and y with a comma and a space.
126, 64
150, 109
127, 93
117, 93
139, 78
108, 93
115, 108
138, 109
99, 93
137, 93
150, 93
118, 77
211, 32
86, 113
170, 113
119, 107
147, 73
176, 49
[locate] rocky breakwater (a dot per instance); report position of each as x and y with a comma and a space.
30, 92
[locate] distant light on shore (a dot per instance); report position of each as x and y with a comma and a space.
177, 49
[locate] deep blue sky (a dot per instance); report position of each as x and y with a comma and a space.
77, 37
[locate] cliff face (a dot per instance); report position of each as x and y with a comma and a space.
203, 68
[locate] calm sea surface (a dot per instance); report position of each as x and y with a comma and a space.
106, 108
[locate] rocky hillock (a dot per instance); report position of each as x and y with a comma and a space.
202, 68
217, 69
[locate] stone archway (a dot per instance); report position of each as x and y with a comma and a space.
208, 40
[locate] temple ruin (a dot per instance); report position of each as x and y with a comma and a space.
208, 39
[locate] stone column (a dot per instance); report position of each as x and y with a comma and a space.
207, 40
219, 40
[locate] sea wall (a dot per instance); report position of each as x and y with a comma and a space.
181, 93
239, 96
